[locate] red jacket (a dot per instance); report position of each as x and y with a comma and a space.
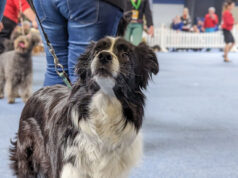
228, 20
12, 9
210, 22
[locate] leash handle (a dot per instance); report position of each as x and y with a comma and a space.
58, 66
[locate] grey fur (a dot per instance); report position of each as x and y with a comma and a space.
16, 69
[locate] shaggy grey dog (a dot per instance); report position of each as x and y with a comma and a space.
8, 44
16, 68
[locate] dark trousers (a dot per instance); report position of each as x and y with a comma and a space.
6, 32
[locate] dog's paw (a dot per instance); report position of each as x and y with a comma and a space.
25, 99
1, 96
18, 96
11, 100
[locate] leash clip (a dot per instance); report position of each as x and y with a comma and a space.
58, 66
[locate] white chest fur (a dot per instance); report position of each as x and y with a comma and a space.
105, 148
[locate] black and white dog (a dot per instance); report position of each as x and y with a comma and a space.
93, 130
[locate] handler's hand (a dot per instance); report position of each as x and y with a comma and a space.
34, 24
1, 26
151, 31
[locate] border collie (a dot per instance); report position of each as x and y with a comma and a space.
93, 130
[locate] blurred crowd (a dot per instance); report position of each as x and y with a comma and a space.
141, 20
208, 23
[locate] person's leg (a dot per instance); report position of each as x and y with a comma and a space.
88, 21
226, 50
8, 27
231, 46
230, 42
128, 32
55, 26
137, 34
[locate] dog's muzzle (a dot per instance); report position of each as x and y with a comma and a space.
105, 64
105, 57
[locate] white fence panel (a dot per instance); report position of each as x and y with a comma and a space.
168, 38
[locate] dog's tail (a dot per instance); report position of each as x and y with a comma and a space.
21, 159
27, 154
13, 156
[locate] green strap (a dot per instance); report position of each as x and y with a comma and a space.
66, 81
136, 6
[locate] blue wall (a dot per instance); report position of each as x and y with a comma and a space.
169, 1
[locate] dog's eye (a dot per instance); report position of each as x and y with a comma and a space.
125, 56
122, 47
104, 44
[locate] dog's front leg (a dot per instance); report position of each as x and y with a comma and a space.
10, 91
2, 84
16, 92
26, 88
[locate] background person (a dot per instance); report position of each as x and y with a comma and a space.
71, 26
227, 25
199, 27
211, 20
139, 8
186, 20
177, 24
10, 18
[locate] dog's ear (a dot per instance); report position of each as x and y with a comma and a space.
83, 65
15, 34
146, 64
35, 38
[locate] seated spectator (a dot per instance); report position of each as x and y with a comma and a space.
186, 20
177, 24
211, 20
199, 27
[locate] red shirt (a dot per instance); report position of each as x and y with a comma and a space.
210, 22
228, 20
12, 9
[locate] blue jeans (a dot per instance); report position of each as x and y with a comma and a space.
70, 26
2, 5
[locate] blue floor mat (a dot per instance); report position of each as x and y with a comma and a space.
191, 121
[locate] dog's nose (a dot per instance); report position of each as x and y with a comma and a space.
105, 57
